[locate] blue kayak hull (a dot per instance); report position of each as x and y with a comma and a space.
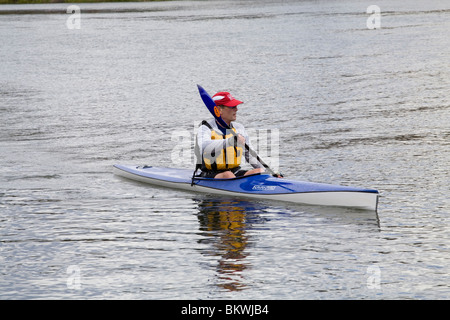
260, 186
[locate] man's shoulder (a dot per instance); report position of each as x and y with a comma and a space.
208, 123
213, 124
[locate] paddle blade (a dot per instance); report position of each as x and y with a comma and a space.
211, 105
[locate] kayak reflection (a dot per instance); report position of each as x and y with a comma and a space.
225, 224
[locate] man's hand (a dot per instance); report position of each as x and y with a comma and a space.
241, 139
278, 175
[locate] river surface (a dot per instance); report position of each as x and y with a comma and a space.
116, 83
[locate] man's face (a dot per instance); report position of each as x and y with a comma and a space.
228, 114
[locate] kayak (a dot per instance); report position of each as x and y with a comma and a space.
258, 186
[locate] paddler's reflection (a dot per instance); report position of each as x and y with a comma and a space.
225, 224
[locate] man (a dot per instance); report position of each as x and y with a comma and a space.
220, 150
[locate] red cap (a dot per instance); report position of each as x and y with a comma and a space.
225, 99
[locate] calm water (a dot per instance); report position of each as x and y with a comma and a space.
354, 106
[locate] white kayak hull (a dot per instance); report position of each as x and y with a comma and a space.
256, 187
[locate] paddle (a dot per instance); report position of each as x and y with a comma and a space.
212, 107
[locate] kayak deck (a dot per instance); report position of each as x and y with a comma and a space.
260, 186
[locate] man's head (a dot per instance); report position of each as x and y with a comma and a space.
227, 105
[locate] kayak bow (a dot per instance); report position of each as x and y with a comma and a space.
259, 186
